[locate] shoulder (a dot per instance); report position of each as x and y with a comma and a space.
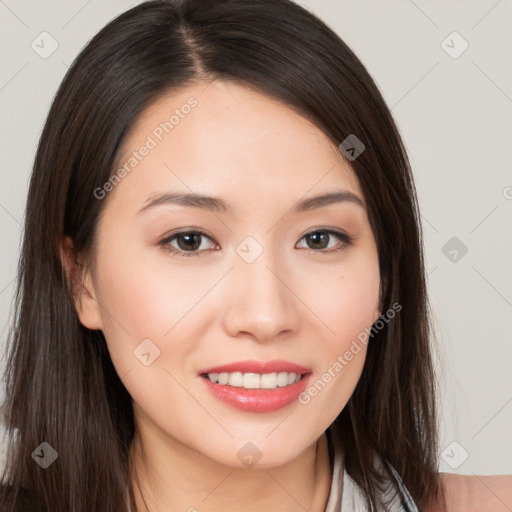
475, 493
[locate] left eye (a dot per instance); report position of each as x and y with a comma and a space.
320, 239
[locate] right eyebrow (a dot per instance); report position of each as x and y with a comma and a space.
188, 199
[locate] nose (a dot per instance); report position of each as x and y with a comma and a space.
262, 301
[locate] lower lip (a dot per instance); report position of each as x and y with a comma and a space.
258, 400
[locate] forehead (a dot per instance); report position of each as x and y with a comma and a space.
224, 138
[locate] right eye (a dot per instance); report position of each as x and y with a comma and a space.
187, 243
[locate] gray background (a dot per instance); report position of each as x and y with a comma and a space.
454, 112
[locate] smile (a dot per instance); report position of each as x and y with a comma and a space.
254, 380
256, 386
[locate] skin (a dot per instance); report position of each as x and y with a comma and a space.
468, 493
215, 308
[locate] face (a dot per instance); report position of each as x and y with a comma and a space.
181, 290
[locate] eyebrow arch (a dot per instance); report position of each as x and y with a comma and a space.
313, 203
188, 199
216, 204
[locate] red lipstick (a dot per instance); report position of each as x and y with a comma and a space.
258, 400
252, 366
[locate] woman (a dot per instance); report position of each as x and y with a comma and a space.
287, 364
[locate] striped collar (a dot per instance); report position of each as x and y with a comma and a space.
349, 497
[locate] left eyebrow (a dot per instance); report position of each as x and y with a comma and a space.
220, 205
313, 203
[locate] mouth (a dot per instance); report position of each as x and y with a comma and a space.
255, 386
254, 380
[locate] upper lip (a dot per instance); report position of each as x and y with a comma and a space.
262, 367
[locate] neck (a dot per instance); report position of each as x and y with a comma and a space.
175, 477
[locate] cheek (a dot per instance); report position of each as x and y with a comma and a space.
344, 296
347, 302
328, 393
143, 300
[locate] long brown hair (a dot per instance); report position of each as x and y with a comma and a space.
61, 385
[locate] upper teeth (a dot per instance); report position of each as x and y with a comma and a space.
255, 380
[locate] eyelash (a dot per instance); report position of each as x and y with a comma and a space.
347, 241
